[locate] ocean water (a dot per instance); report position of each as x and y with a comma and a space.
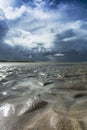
24, 84
19, 79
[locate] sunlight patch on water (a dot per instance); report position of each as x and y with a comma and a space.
7, 110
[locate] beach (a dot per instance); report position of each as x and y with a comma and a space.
43, 96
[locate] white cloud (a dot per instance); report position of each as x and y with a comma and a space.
23, 38
40, 28
5, 3
12, 13
39, 14
69, 39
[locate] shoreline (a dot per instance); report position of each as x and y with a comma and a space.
43, 96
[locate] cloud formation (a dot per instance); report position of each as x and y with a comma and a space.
50, 24
72, 38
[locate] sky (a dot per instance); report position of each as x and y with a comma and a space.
52, 29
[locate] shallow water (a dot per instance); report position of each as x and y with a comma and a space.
28, 87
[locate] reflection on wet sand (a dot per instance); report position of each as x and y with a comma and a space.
43, 96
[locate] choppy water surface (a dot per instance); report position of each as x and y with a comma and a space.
27, 87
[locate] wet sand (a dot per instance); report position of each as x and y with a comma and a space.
43, 96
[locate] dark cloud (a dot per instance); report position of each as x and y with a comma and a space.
66, 34
4, 48
3, 25
70, 40
3, 29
